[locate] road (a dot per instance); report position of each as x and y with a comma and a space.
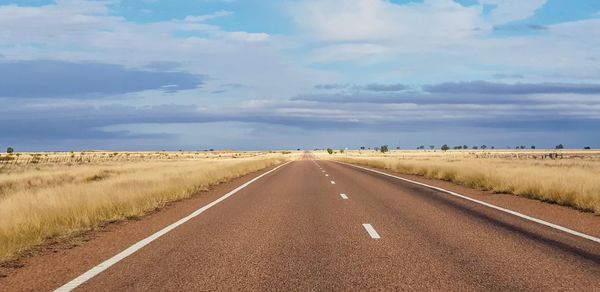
321, 225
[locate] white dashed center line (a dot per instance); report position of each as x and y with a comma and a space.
344, 196
371, 231
332, 182
326, 175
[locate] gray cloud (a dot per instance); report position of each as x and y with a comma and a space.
47, 126
508, 76
235, 86
485, 87
374, 87
65, 79
163, 66
416, 98
385, 87
331, 86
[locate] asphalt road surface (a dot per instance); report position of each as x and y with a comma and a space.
320, 225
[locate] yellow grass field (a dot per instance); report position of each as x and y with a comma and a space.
62, 195
573, 179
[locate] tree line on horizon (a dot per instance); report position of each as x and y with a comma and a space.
445, 147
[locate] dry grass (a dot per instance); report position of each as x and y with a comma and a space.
92, 157
573, 181
57, 201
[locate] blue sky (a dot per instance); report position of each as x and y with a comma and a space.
235, 74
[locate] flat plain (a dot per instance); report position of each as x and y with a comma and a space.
567, 177
46, 197
307, 221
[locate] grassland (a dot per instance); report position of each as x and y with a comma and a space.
572, 179
60, 195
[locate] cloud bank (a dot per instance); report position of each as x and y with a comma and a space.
43, 78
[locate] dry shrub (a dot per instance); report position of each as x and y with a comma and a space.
60, 201
566, 182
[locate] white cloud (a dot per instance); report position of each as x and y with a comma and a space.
511, 10
369, 20
81, 31
421, 38
376, 30
201, 18
246, 36
349, 52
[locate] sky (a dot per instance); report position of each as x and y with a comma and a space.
287, 74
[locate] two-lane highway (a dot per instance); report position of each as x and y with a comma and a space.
322, 225
288, 230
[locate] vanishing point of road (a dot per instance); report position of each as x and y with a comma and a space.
323, 225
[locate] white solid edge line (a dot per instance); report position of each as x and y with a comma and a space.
344, 196
520, 215
132, 249
371, 231
332, 182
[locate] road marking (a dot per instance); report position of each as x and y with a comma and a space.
371, 231
326, 175
520, 215
344, 196
132, 249
332, 182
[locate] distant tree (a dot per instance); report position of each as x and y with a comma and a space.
532, 146
587, 147
362, 147
445, 147
431, 147
484, 147
10, 150
376, 149
475, 147
397, 147
493, 147
341, 150
384, 149
560, 146
422, 147
329, 150
465, 147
